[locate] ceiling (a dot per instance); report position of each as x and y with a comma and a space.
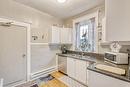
62, 10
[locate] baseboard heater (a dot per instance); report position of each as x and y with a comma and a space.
43, 72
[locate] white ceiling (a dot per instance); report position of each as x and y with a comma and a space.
62, 10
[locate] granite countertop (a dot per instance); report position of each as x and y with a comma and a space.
97, 60
84, 58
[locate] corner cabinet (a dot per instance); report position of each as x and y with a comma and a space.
117, 13
77, 69
101, 80
61, 35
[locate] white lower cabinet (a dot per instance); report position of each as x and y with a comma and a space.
101, 80
81, 71
77, 69
71, 67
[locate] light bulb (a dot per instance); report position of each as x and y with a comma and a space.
61, 1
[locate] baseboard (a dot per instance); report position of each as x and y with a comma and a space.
43, 73
38, 74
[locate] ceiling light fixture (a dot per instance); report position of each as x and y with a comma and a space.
61, 1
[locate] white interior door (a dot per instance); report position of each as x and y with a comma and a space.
13, 54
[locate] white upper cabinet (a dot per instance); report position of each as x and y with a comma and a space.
55, 35
117, 20
61, 35
66, 34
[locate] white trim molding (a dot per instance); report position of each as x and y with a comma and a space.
86, 17
39, 43
43, 72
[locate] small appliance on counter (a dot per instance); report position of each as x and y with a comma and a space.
64, 49
116, 58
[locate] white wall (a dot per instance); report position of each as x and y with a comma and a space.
40, 24
43, 58
40, 21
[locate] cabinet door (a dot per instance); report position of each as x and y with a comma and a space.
117, 20
81, 69
71, 67
100, 80
55, 35
66, 35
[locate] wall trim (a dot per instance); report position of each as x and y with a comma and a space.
43, 72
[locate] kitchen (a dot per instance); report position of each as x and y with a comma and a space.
74, 43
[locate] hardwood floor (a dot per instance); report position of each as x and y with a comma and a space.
57, 75
55, 82
59, 80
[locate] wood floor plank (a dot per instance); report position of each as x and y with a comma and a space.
57, 74
54, 83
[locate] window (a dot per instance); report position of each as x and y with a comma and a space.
85, 35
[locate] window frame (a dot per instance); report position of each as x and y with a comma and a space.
83, 18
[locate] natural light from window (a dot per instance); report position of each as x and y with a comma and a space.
85, 36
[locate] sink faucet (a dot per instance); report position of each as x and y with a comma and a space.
82, 54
